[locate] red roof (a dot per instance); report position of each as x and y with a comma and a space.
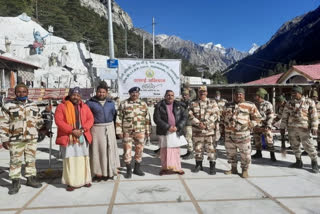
18, 61
266, 81
313, 71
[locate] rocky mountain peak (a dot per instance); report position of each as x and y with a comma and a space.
119, 16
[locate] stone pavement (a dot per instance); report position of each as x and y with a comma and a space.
271, 188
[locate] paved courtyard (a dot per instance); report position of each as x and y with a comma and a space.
271, 188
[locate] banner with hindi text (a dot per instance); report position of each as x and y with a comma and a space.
153, 77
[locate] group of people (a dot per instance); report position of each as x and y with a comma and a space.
87, 132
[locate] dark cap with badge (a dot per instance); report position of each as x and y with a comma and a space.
134, 89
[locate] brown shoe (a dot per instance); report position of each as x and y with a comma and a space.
233, 170
244, 173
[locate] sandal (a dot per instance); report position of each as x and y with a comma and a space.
70, 188
180, 172
87, 185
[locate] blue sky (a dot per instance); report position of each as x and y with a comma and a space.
232, 23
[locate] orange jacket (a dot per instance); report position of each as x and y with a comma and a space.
64, 129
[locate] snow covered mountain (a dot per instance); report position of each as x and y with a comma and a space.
253, 48
215, 57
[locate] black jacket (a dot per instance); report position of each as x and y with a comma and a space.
160, 117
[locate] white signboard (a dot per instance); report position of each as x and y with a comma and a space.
153, 77
107, 73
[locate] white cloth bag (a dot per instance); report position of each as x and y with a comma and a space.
172, 140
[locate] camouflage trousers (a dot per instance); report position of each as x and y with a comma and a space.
188, 135
27, 149
207, 142
217, 132
138, 140
318, 135
268, 139
299, 135
244, 148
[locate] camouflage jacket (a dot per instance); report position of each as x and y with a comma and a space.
279, 111
186, 104
221, 103
206, 112
133, 116
21, 121
300, 114
318, 109
240, 118
265, 109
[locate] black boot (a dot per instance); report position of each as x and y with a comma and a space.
198, 166
318, 146
32, 182
283, 144
129, 171
315, 167
137, 169
188, 155
212, 170
297, 164
15, 187
272, 157
257, 155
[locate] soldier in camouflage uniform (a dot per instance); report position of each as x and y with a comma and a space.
314, 96
133, 126
192, 93
263, 133
300, 117
239, 118
186, 102
280, 104
19, 134
203, 114
221, 103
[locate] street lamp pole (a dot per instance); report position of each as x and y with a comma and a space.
111, 47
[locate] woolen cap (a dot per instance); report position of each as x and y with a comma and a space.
314, 93
297, 89
20, 85
261, 92
75, 90
240, 91
280, 98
